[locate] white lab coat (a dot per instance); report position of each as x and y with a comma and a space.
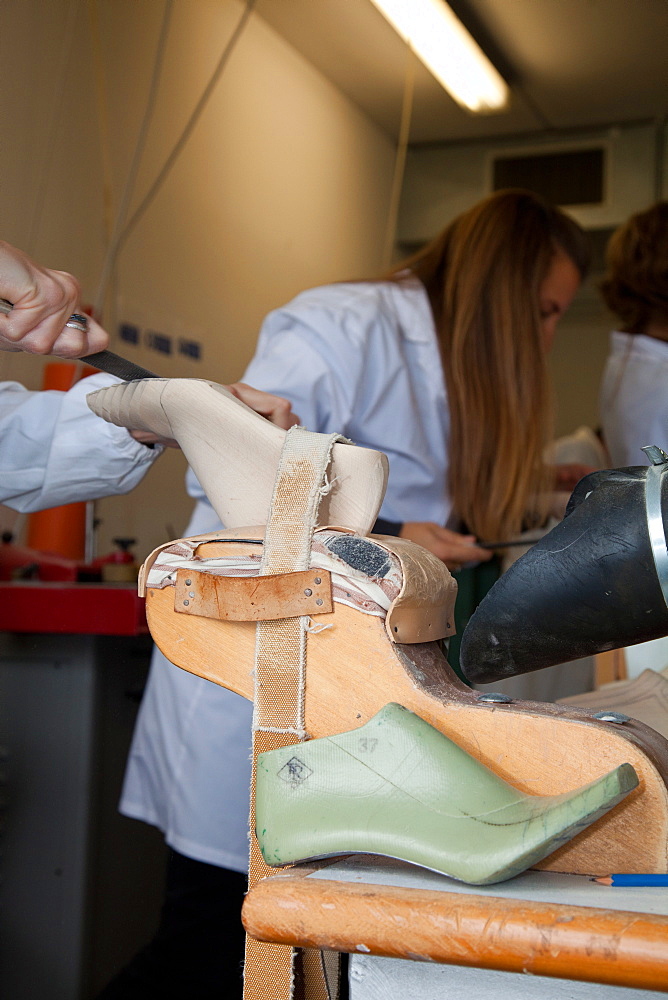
634, 397
361, 359
55, 450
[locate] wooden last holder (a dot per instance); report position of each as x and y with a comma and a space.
354, 669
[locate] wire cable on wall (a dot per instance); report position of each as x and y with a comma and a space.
659, 155
66, 54
400, 159
190, 125
102, 118
116, 236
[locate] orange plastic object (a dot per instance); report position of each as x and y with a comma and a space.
61, 530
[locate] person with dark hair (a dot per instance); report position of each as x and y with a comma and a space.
441, 364
634, 389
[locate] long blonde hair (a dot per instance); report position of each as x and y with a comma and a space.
483, 275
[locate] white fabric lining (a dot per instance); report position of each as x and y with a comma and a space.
352, 587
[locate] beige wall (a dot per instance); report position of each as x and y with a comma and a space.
283, 184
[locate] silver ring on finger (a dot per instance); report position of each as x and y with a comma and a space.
5, 307
78, 321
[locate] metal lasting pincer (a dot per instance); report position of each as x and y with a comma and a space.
655, 526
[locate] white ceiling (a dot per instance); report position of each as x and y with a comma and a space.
571, 63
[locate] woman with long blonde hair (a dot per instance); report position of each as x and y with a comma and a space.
441, 365
498, 279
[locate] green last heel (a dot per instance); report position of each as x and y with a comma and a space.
398, 787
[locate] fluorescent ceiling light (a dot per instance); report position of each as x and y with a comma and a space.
444, 45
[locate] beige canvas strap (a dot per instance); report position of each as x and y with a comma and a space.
280, 665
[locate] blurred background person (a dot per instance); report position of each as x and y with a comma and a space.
634, 388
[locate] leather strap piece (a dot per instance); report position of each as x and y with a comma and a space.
280, 664
425, 607
253, 598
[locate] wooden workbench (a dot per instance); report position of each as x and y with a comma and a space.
414, 933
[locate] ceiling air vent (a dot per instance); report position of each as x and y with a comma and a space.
570, 177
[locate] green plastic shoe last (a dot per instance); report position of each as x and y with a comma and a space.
398, 787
